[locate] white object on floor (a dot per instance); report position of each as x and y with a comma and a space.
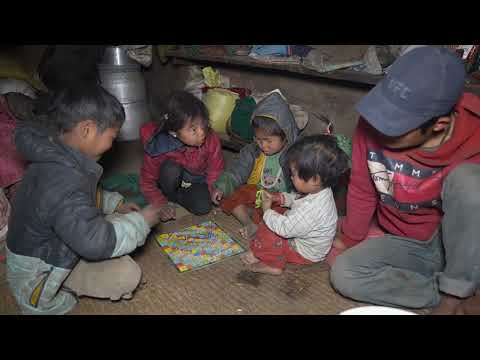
376, 310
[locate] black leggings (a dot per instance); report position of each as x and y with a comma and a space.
195, 198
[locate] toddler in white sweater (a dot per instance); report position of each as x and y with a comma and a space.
304, 233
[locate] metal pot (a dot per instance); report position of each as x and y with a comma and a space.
125, 81
115, 55
126, 86
136, 114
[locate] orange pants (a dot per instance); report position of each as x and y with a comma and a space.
246, 195
274, 250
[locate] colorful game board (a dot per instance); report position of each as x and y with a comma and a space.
198, 246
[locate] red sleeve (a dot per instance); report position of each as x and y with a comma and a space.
216, 163
361, 197
149, 173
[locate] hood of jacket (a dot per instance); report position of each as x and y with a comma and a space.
161, 143
463, 143
39, 145
276, 108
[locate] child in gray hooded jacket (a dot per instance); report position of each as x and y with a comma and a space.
261, 165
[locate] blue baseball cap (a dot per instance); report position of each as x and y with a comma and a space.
424, 83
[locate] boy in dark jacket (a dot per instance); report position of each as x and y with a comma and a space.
60, 243
415, 174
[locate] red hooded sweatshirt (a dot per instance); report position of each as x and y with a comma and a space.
206, 160
403, 188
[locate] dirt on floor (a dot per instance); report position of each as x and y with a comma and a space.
224, 288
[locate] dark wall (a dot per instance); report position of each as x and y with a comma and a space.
66, 65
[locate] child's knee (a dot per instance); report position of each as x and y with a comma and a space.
170, 177
240, 209
200, 208
128, 276
170, 167
131, 274
111, 278
170, 170
462, 185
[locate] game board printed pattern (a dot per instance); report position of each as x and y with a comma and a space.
198, 246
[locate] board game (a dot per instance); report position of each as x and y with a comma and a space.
198, 246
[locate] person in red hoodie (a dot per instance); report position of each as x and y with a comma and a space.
415, 179
182, 159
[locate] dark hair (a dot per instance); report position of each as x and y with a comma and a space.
181, 107
268, 125
318, 155
82, 102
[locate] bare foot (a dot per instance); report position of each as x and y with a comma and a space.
263, 268
248, 231
248, 258
448, 306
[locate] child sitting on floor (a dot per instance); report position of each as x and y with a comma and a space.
183, 157
260, 165
303, 234
66, 237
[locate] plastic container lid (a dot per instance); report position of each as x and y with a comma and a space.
376, 310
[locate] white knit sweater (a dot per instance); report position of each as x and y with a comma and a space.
310, 222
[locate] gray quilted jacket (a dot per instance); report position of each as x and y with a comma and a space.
57, 218
273, 106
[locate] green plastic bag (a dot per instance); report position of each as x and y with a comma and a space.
240, 123
345, 144
126, 184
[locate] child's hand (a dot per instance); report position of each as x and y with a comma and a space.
267, 200
127, 208
167, 212
277, 198
151, 214
337, 241
217, 195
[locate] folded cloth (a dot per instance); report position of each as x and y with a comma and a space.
239, 50
268, 50
301, 50
272, 59
325, 58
